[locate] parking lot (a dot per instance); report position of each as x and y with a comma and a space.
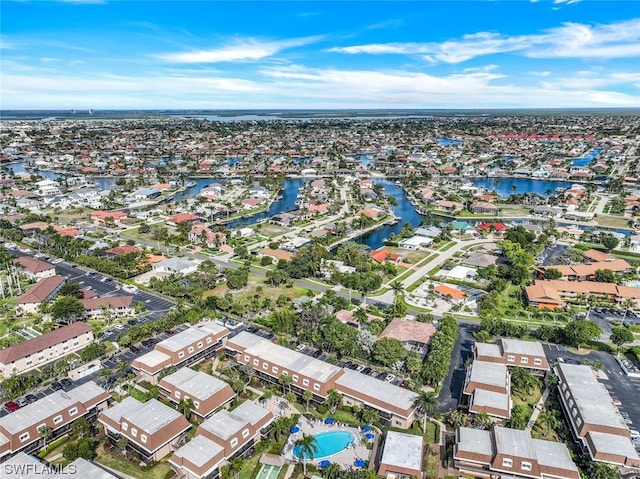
605, 317
554, 254
619, 385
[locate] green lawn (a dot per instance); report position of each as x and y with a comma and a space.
612, 221
160, 470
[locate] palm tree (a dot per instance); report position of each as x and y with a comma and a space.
307, 396
45, 433
235, 466
280, 428
185, 407
426, 403
285, 380
334, 399
307, 449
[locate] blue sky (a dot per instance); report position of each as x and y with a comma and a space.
304, 54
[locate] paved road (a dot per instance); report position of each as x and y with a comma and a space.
454, 382
441, 258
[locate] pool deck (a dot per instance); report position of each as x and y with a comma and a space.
345, 458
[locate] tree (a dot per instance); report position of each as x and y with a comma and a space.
85, 447
388, 351
306, 397
609, 241
334, 399
621, 335
307, 449
552, 273
66, 308
235, 466
286, 381
70, 289
185, 407
605, 276
45, 433
426, 403
578, 332
81, 428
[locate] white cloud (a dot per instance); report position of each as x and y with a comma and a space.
241, 50
567, 2
571, 40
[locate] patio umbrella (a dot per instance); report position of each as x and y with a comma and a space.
325, 463
366, 428
329, 420
295, 429
359, 463
370, 435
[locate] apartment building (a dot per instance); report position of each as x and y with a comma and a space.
510, 453
44, 349
402, 456
41, 292
183, 349
554, 293
221, 437
19, 431
513, 352
205, 391
270, 361
118, 306
595, 422
487, 389
35, 268
151, 428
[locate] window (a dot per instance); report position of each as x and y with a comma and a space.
285, 373
177, 394
574, 412
305, 382
234, 442
578, 422
143, 438
196, 404
511, 358
525, 466
537, 362
57, 419
209, 340
247, 358
256, 362
524, 360
73, 411
199, 344
181, 354
265, 366
274, 370
245, 433
190, 349
295, 378
134, 432
125, 426
506, 462
24, 437
398, 423
571, 403
316, 386
564, 386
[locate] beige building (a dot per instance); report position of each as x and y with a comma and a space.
41, 292
45, 349
35, 268
118, 306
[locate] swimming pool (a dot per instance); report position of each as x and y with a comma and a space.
268, 472
329, 443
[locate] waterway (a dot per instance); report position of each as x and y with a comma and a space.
505, 186
102, 182
404, 210
449, 142
588, 158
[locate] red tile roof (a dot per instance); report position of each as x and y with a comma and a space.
91, 304
33, 265
57, 336
122, 250
40, 291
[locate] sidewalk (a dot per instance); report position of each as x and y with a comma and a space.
537, 408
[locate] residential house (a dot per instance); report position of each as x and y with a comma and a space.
152, 429
450, 293
449, 206
200, 234
176, 266
121, 250
484, 208
182, 217
414, 335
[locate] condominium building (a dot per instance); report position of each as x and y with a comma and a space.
510, 453
513, 352
206, 392
183, 349
270, 361
35, 268
487, 389
44, 349
152, 429
20, 430
41, 292
595, 422
24, 466
402, 456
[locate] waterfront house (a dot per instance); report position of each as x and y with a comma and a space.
484, 208
448, 206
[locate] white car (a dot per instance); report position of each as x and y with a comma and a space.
634, 433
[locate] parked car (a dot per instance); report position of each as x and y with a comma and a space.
616, 401
170, 332
634, 433
22, 402
66, 382
134, 349
11, 406
56, 386
31, 398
